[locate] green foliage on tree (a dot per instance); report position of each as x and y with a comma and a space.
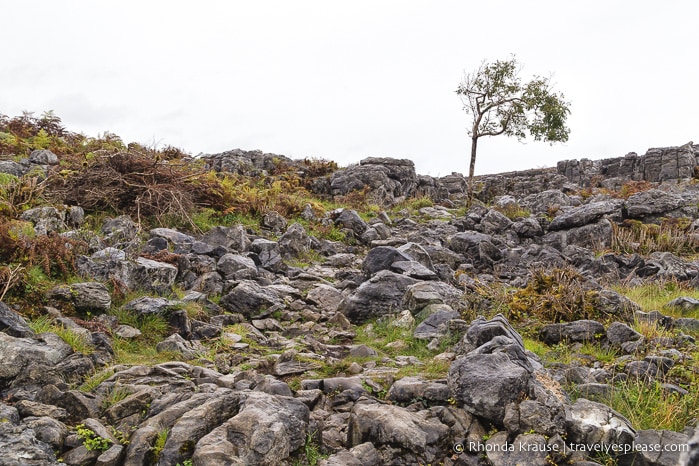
501, 104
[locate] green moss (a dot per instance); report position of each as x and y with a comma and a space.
6, 178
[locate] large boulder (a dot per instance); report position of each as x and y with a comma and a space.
45, 219
381, 258
274, 222
418, 253
594, 236
248, 163
12, 168
85, 296
295, 242
653, 203
543, 202
236, 267
351, 221
423, 294
624, 337
498, 381
572, 332
380, 295
179, 241
264, 432
594, 424
233, 237
325, 296
145, 305
419, 437
26, 364
119, 231
151, 275
20, 446
486, 383
477, 247
495, 222
249, 298
691, 457
585, 214
435, 323
666, 451
43, 157
268, 254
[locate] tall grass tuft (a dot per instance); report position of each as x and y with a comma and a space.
672, 235
650, 406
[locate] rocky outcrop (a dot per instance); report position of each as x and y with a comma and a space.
248, 163
658, 164
387, 180
262, 328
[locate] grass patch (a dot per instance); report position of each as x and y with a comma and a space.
412, 205
306, 260
41, 324
535, 346
79, 342
114, 396
562, 352
651, 330
312, 450
513, 211
327, 231
655, 295
431, 370
153, 327
380, 334
598, 352
95, 380
139, 353
649, 406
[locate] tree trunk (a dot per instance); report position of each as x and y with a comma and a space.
471, 168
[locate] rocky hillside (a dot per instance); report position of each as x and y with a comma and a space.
244, 308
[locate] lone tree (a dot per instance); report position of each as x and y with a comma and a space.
501, 104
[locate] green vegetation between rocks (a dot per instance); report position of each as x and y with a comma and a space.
31, 264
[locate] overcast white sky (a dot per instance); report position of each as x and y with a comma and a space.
354, 79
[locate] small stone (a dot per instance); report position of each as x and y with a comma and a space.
230, 338
362, 351
404, 320
127, 332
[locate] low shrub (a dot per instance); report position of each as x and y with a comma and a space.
672, 235
556, 295
632, 187
513, 211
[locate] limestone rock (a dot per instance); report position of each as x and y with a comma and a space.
591, 423
380, 295
12, 323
